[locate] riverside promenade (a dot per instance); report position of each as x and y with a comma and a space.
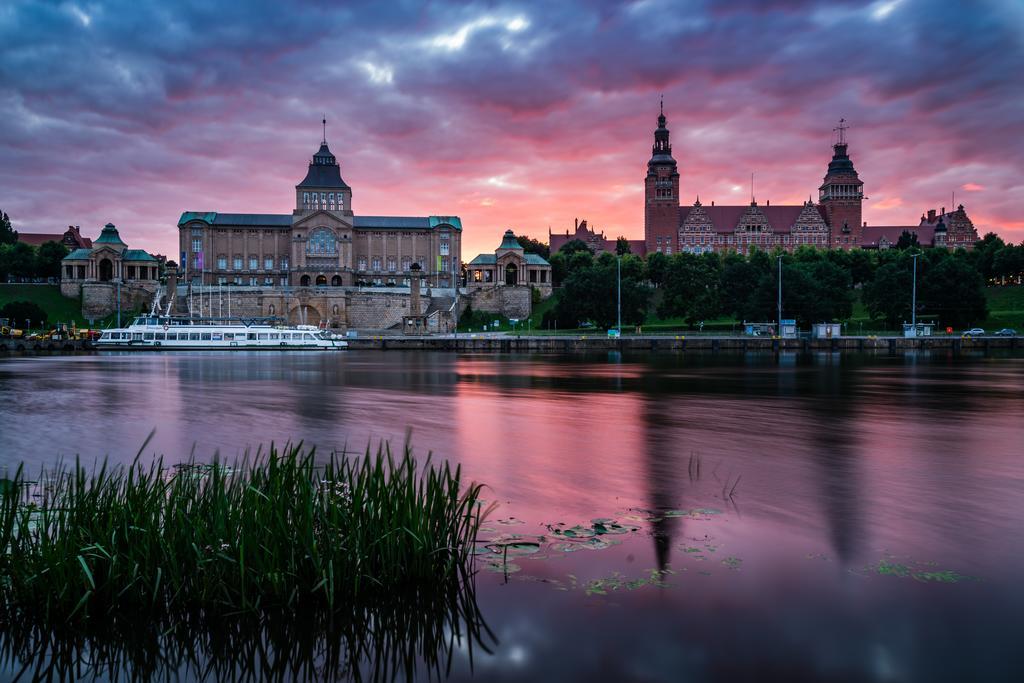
511, 343
506, 343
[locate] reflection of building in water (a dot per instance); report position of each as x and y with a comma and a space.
661, 473
836, 457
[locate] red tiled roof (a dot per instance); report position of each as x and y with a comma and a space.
725, 218
872, 234
38, 238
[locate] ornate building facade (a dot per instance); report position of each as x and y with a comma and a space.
834, 222
510, 266
322, 243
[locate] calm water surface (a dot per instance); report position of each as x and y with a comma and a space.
798, 517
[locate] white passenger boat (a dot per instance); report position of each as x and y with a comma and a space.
168, 333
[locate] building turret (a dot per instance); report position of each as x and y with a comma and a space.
661, 193
323, 189
841, 195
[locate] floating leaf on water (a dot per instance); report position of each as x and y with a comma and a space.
503, 567
510, 521
515, 548
598, 543
732, 562
566, 547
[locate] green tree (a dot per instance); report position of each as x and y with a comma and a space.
984, 252
888, 295
48, 258
532, 246
691, 288
589, 294
741, 280
20, 311
907, 240
573, 246
8, 235
953, 290
1008, 262
622, 246
17, 260
657, 267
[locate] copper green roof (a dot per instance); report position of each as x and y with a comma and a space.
137, 255
109, 236
491, 259
80, 254
509, 241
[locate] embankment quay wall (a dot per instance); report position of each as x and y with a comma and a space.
43, 346
585, 343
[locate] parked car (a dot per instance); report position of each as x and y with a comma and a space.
974, 332
1006, 332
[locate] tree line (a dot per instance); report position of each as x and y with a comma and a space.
20, 261
818, 285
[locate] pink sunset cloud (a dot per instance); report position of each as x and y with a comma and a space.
523, 116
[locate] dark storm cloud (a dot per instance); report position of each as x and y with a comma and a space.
522, 114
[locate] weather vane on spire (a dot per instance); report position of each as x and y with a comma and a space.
841, 129
325, 128
661, 105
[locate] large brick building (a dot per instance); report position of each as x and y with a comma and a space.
321, 243
835, 221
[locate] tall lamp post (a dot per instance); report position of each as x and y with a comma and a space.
618, 293
913, 299
779, 328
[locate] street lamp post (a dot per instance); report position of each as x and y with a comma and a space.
779, 328
618, 293
913, 300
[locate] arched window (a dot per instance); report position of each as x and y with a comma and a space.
304, 281
322, 243
336, 282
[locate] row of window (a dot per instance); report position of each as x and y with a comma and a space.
209, 336
756, 238
484, 275
254, 263
392, 264
323, 200
842, 191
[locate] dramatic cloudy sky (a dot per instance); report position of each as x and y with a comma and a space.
521, 115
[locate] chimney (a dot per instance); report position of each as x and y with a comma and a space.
931, 215
768, 203
943, 210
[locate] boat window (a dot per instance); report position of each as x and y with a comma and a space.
252, 335
308, 336
160, 336
172, 336
148, 336
274, 335
193, 336
229, 336
263, 336
205, 336
217, 336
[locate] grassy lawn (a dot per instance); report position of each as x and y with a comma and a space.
49, 298
1006, 309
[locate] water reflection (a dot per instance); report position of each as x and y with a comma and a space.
841, 461
408, 636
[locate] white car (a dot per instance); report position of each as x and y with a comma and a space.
974, 332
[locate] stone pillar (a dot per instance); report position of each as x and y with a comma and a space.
414, 289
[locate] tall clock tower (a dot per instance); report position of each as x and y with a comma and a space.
841, 195
661, 194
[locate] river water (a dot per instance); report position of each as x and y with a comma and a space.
792, 517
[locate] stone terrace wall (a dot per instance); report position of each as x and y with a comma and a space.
511, 302
99, 299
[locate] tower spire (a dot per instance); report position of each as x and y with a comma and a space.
324, 122
841, 130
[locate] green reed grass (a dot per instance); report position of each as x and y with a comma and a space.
279, 531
